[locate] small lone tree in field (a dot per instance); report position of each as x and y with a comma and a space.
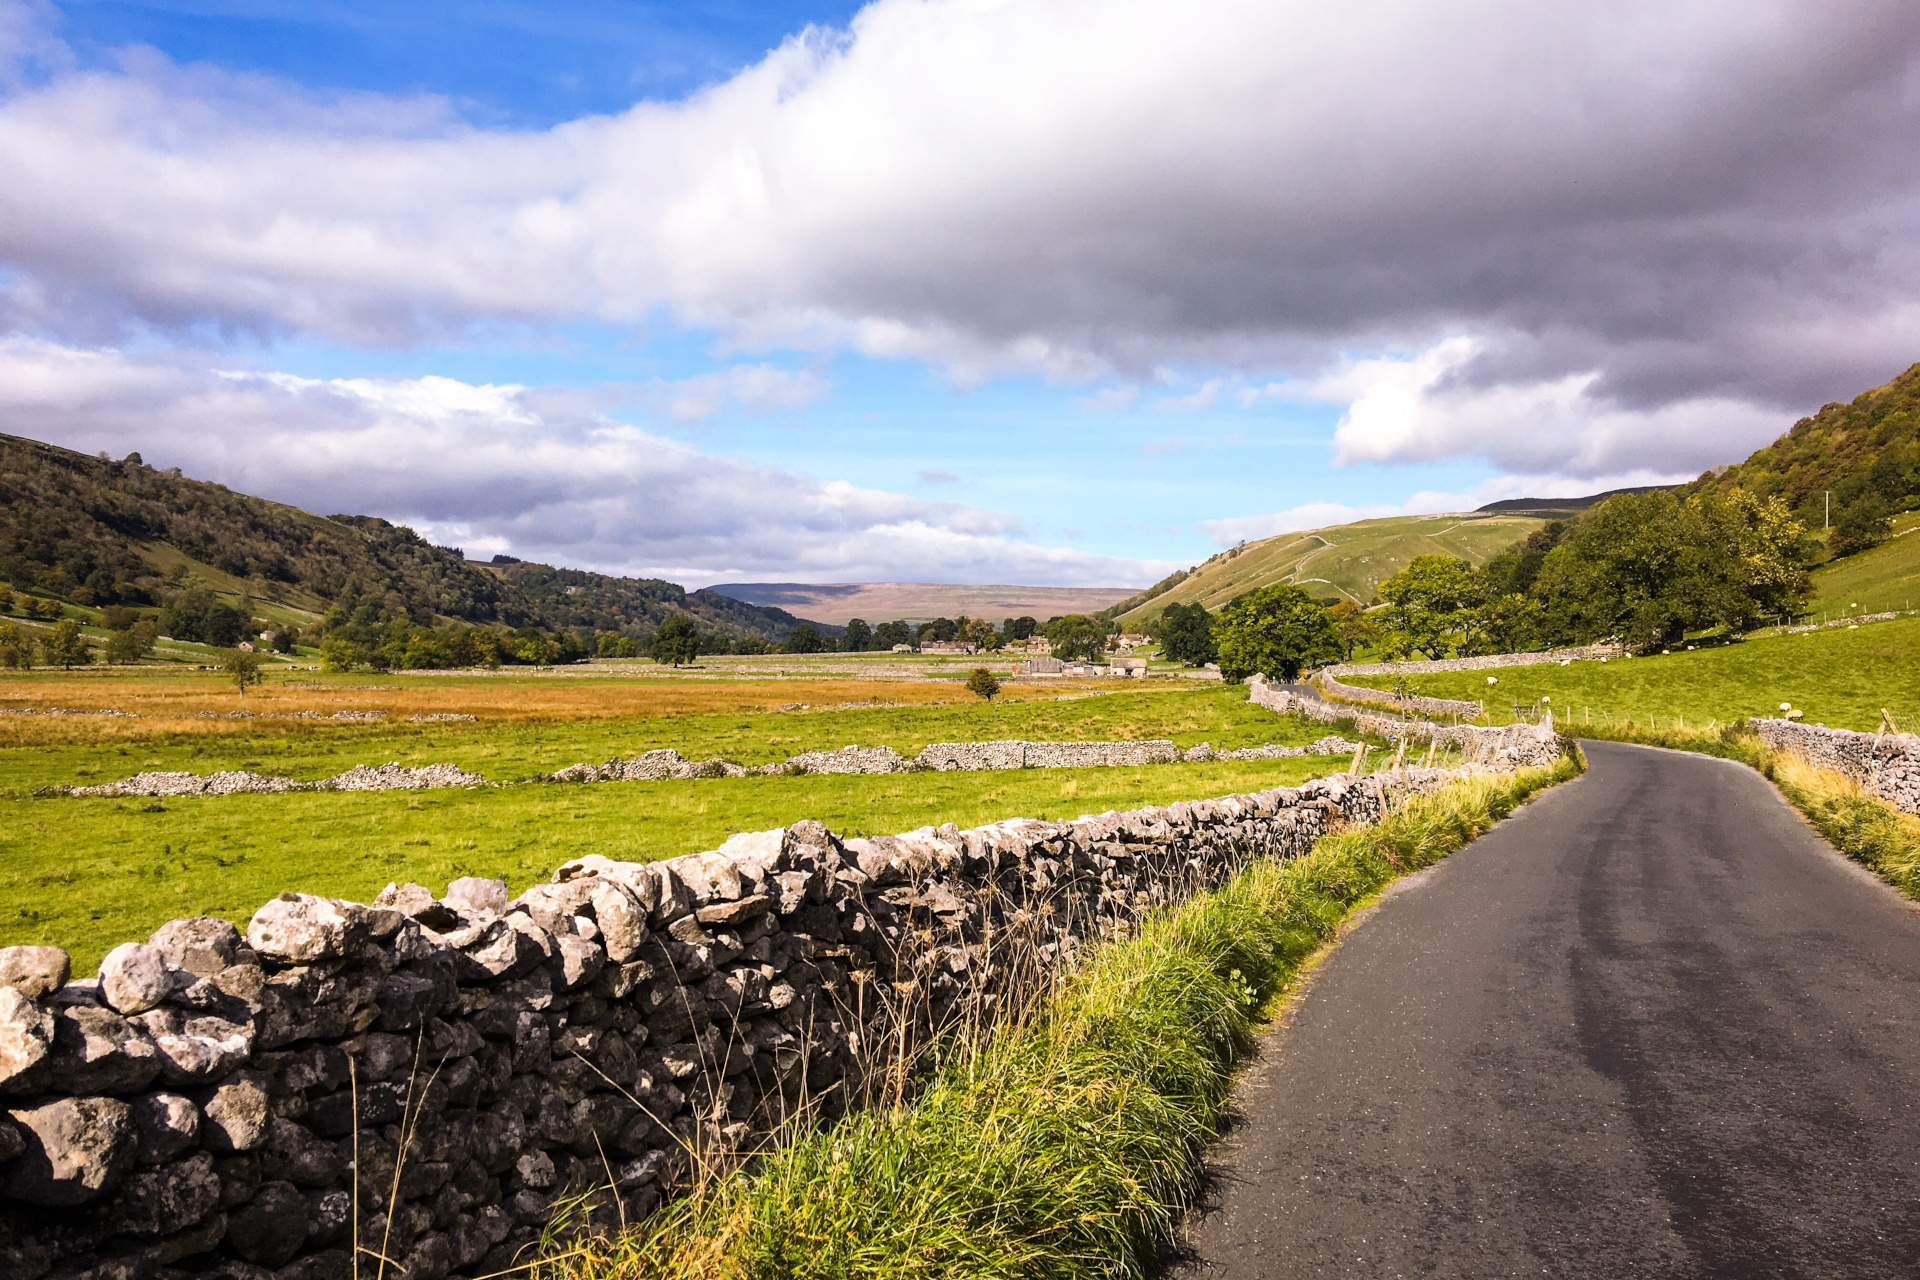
983, 683
676, 641
242, 667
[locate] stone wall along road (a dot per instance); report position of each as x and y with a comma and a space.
1886, 764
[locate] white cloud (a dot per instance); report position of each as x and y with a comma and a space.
533, 471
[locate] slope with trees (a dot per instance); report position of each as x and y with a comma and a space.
98, 532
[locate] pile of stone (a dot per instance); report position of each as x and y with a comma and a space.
212, 1103
1886, 764
64, 711
1331, 745
386, 777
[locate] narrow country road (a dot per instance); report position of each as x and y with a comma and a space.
1652, 1026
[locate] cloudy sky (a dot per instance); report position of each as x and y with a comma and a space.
1047, 291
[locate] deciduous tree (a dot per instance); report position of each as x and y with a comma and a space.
983, 683
1276, 631
676, 641
1186, 634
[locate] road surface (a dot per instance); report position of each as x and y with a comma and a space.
1651, 1026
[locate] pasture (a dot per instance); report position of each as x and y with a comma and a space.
1835, 676
87, 873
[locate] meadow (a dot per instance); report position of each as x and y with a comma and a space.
1836, 676
87, 873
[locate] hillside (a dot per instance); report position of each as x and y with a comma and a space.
1559, 508
1866, 446
1883, 578
95, 531
1348, 560
921, 601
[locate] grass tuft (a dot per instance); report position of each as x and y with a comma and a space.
1067, 1146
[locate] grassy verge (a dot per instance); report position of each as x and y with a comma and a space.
1065, 1147
1853, 820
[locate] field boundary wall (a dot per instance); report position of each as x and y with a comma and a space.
1584, 653
1513, 745
1886, 764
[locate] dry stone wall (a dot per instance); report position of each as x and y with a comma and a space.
1584, 653
1513, 745
1418, 704
1886, 764
430, 1075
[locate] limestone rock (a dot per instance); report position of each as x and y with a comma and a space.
476, 898
96, 1050
134, 978
165, 1124
237, 1117
621, 916
270, 1230
26, 1036
168, 1199
34, 971
298, 928
76, 1149
202, 945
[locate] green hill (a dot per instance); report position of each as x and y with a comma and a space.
1870, 445
98, 532
1879, 579
1348, 560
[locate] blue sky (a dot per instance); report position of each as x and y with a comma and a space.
1063, 291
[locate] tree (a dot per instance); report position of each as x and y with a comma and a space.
243, 668
676, 641
1021, 628
1651, 567
339, 655
805, 638
225, 624
1430, 606
858, 637
1077, 638
889, 634
1276, 631
1186, 634
983, 683
612, 644
980, 633
1356, 629
16, 648
132, 644
65, 646
939, 630
1864, 522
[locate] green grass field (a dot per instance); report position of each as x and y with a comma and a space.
87, 874
1887, 577
1838, 677
511, 750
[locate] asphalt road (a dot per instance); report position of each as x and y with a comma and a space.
1650, 1026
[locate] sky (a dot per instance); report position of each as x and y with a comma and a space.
1051, 292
